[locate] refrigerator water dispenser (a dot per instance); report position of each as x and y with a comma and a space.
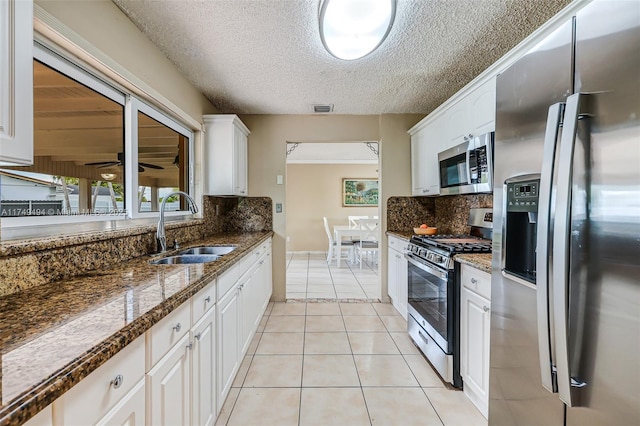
521, 197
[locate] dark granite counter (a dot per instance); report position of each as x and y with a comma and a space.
481, 261
54, 335
405, 235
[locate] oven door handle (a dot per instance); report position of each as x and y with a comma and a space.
426, 268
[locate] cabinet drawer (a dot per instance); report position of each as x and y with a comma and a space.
203, 301
397, 244
475, 280
167, 333
94, 396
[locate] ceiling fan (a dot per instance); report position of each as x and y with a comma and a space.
141, 166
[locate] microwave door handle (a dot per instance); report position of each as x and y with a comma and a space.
561, 250
543, 281
468, 162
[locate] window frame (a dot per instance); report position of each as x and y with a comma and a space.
131, 105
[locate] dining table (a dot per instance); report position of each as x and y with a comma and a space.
341, 232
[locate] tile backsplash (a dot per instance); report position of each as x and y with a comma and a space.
29, 263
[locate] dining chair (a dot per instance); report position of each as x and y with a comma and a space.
336, 247
353, 220
369, 236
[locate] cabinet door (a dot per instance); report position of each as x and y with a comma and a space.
483, 108
457, 123
250, 301
228, 351
435, 140
474, 347
417, 167
240, 162
16, 82
392, 274
267, 284
169, 387
97, 394
129, 411
45, 417
203, 377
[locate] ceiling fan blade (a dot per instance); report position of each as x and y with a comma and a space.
140, 168
105, 166
103, 163
151, 166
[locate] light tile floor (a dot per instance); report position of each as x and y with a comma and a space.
309, 277
342, 364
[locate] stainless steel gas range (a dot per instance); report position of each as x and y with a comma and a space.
434, 293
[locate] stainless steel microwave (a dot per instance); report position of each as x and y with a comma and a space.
467, 168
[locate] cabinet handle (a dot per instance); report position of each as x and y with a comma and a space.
261, 262
177, 327
474, 281
423, 337
485, 308
189, 346
424, 191
117, 381
207, 299
197, 336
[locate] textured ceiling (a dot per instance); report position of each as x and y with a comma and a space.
266, 57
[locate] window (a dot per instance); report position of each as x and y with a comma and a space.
93, 147
163, 165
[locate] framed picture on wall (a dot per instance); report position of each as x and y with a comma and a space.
359, 192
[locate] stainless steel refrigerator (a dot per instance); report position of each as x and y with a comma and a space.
565, 322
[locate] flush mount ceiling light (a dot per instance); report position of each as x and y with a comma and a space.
351, 29
108, 176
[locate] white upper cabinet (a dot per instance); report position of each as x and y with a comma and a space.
16, 82
482, 106
470, 115
473, 115
225, 155
426, 143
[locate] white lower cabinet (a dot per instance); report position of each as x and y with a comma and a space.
475, 316
169, 387
43, 418
107, 392
228, 321
129, 410
203, 377
189, 369
397, 279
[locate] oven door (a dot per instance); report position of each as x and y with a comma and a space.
456, 170
429, 291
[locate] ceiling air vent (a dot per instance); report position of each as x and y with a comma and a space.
323, 108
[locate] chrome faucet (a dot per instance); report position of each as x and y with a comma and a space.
160, 237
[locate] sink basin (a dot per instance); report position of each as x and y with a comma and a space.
185, 259
217, 250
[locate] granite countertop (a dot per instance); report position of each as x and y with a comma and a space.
481, 261
405, 235
54, 335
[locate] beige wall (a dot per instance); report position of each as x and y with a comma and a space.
314, 191
267, 147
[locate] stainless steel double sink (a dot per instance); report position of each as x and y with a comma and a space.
202, 254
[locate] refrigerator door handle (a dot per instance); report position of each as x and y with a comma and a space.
543, 281
561, 250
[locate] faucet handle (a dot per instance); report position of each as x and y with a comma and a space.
175, 244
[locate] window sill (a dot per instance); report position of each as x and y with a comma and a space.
20, 241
